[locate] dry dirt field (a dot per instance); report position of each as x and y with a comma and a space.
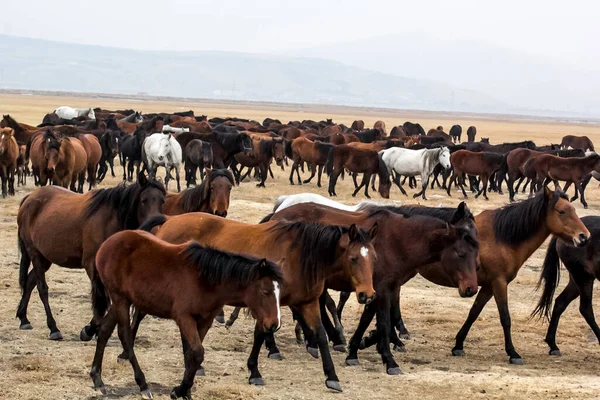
32, 367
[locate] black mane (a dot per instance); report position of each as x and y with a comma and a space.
124, 201
515, 223
193, 199
317, 245
217, 267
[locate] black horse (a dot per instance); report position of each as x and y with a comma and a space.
455, 133
110, 142
198, 155
131, 153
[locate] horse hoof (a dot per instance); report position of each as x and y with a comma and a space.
121, 358
146, 394
334, 385
458, 352
352, 362
395, 371
55, 336
83, 335
313, 352
200, 371
340, 347
516, 361
26, 327
363, 344
257, 381
404, 336
220, 319
400, 348
276, 356
102, 389
555, 352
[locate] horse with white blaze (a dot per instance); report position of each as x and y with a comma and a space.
67, 112
162, 150
410, 163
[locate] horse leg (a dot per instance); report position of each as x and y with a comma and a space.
81, 182
271, 172
452, 180
106, 330
461, 184
383, 328
11, 181
424, 182
334, 332
319, 175
91, 171
365, 183
586, 288
27, 290
255, 376
510, 182
582, 191
484, 295
313, 171
356, 340
191, 330
397, 182
233, 317
40, 266
263, 169
333, 180
309, 314
111, 163
344, 296
137, 318
294, 166
569, 293
484, 180
354, 174
373, 177
396, 316
177, 178
501, 297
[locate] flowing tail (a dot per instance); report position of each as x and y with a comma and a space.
329, 162
550, 277
100, 300
153, 222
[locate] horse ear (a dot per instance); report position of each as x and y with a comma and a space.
548, 192
459, 214
353, 233
142, 180
373, 231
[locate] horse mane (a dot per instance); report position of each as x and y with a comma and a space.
266, 146
317, 244
431, 156
12, 123
123, 200
193, 199
515, 223
382, 171
216, 267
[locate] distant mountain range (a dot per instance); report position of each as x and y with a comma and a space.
308, 77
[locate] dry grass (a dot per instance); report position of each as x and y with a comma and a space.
33, 367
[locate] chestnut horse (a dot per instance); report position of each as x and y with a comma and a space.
64, 228
577, 142
357, 160
67, 164
187, 283
211, 196
315, 154
508, 236
23, 132
312, 254
399, 255
92, 147
9, 153
482, 164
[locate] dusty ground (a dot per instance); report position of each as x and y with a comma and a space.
34, 367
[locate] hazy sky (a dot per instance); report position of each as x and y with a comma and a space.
567, 30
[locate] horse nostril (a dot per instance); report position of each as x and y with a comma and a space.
362, 298
583, 238
469, 291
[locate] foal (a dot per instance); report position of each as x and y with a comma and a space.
187, 283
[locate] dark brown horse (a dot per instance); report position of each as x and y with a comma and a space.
358, 125
357, 160
583, 265
59, 227
508, 236
402, 246
211, 196
92, 147
380, 125
455, 133
471, 133
23, 132
552, 168
312, 254
313, 153
9, 153
398, 132
187, 283
482, 164
198, 155
577, 142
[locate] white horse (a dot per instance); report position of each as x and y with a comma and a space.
172, 129
293, 199
67, 112
409, 162
162, 150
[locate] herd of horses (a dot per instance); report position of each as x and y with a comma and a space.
177, 256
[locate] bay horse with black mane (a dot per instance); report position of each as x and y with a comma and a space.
23, 132
577, 142
187, 283
399, 255
211, 196
357, 160
9, 154
482, 164
313, 153
508, 236
59, 227
583, 265
310, 255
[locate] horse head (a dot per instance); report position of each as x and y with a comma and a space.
444, 157
6, 135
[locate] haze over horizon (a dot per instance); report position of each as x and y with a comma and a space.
530, 55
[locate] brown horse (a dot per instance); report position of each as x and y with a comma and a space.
313, 153
211, 196
358, 125
67, 164
312, 254
482, 164
187, 283
440, 134
357, 160
381, 126
398, 132
399, 255
574, 169
23, 132
9, 153
577, 142
264, 150
471, 133
194, 126
22, 166
93, 150
64, 228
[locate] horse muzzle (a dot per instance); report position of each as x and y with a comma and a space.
363, 298
581, 240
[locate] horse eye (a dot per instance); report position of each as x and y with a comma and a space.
265, 292
560, 212
354, 259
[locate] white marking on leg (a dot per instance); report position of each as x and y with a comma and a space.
364, 251
277, 292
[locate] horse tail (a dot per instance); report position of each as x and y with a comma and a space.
100, 300
329, 162
550, 277
288, 149
25, 263
153, 222
267, 218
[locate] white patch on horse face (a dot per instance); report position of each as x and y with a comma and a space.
277, 293
364, 251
